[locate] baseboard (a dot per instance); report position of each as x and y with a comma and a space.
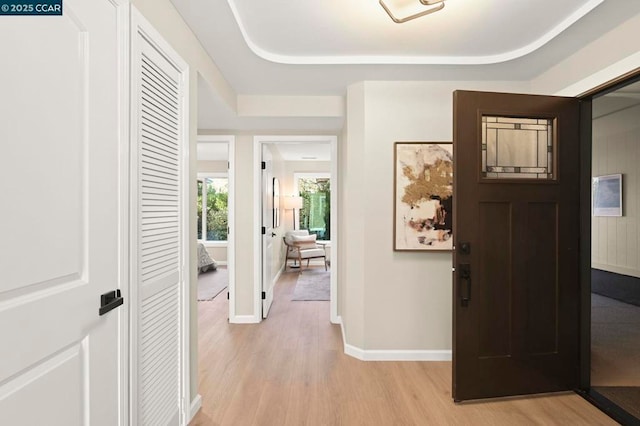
221, 262
244, 319
196, 404
277, 277
616, 269
393, 355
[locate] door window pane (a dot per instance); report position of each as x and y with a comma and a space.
517, 148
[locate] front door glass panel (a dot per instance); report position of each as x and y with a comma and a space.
517, 148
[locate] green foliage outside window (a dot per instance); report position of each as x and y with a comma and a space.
217, 194
315, 214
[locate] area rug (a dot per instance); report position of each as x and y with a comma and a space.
312, 285
211, 283
616, 286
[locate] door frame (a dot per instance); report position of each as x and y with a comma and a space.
140, 28
258, 141
124, 197
230, 140
586, 154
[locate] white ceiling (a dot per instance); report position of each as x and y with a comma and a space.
324, 46
360, 32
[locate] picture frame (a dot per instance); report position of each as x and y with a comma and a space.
276, 202
607, 195
423, 196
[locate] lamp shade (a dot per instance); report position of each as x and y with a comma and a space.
293, 202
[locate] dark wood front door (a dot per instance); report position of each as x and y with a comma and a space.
516, 235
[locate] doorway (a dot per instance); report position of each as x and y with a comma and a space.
615, 271
215, 211
290, 155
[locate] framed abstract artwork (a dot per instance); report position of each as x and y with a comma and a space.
607, 195
423, 196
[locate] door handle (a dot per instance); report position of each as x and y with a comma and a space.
273, 234
109, 301
464, 274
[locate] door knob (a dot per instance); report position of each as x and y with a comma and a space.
109, 301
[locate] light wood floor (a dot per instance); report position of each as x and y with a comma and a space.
291, 370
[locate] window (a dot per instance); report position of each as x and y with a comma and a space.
315, 214
213, 193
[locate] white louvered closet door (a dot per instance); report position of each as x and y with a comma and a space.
159, 232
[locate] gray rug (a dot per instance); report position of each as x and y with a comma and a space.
312, 285
211, 283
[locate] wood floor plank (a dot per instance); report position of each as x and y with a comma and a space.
291, 370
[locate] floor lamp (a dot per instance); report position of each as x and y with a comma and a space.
293, 203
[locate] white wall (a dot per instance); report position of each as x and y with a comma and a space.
616, 149
210, 166
393, 300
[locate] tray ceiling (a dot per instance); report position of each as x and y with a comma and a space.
360, 32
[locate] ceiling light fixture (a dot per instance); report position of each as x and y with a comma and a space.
434, 6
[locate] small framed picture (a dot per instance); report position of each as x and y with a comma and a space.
607, 195
423, 196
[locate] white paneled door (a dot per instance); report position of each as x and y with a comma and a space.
268, 230
60, 227
158, 230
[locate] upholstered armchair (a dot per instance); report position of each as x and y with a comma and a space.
302, 246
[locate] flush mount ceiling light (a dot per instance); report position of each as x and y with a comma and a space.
433, 6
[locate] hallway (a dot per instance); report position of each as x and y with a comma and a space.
291, 370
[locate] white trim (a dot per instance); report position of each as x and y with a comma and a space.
123, 11
335, 247
245, 319
392, 355
202, 176
414, 59
616, 269
277, 277
230, 140
219, 244
257, 234
196, 405
332, 140
185, 350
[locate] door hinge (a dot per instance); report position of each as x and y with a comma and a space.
264, 295
227, 295
263, 165
264, 230
228, 165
